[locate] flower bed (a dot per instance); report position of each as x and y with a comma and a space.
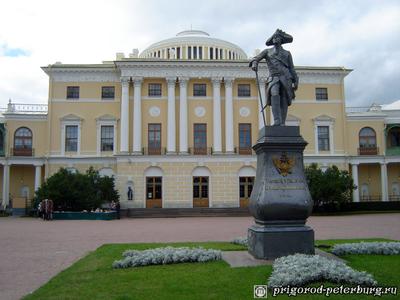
167, 255
301, 269
382, 248
240, 241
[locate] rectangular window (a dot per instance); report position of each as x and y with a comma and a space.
71, 138
154, 139
194, 52
72, 92
107, 92
321, 93
154, 90
200, 138
199, 90
107, 138
243, 90
244, 138
323, 138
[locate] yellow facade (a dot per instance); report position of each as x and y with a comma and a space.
376, 169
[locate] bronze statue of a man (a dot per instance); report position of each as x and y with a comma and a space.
283, 80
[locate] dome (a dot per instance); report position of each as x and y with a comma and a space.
194, 45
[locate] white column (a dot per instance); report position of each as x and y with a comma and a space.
228, 115
171, 142
6, 184
354, 174
384, 183
217, 147
183, 116
38, 176
137, 116
331, 142
124, 145
316, 139
264, 99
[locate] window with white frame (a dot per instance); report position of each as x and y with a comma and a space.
106, 134
71, 138
324, 134
323, 138
107, 138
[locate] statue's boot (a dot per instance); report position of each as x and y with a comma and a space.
284, 109
276, 110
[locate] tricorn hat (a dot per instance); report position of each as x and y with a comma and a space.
286, 38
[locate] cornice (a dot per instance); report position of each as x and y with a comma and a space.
24, 116
147, 68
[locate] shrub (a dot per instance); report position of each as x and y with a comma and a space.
301, 269
77, 191
329, 189
240, 241
382, 248
167, 255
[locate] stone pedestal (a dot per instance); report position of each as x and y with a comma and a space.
280, 201
270, 242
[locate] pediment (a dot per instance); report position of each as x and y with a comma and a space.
106, 117
71, 117
324, 118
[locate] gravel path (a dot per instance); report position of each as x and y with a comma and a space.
32, 251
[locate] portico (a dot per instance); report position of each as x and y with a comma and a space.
27, 177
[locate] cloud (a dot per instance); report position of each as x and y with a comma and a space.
362, 35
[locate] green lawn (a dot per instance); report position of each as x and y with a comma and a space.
93, 278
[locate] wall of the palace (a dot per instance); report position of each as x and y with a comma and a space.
22, 177
177, 182
370, 175
39, 137
353, 130
88, 90
90, 106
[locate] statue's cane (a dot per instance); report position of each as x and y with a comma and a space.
261, 100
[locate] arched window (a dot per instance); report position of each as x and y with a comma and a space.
23, 141
367, 138
394, 137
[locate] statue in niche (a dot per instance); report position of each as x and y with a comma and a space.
130, 193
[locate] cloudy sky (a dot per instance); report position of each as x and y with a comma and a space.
362, 35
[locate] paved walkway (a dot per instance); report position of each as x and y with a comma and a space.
32, 251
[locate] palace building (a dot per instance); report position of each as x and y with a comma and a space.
177, 122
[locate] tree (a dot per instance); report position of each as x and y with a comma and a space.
329, 189
77, 191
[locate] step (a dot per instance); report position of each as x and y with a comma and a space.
184, 212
